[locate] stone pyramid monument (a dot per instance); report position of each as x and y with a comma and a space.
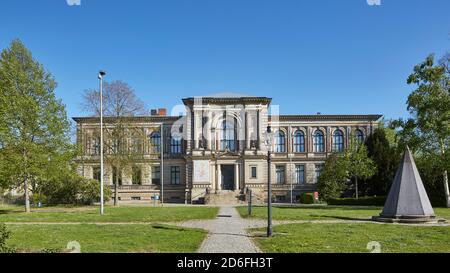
407, 201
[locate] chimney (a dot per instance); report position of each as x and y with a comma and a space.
162, 112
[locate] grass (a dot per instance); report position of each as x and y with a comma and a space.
105, 238
352, 237
324, 212
112, 214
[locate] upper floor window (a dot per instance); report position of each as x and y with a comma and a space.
359, 136
280, 142
299, 142
137, 145
319, 142
155, 142
116, 146
175, 145
338, 141
228, 137
96, 146
254, 172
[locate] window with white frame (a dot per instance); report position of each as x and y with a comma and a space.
300, 174
319, 142
281, 174
299, 142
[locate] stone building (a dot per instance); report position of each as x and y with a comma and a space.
218, 146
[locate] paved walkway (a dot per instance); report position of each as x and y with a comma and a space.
227, 233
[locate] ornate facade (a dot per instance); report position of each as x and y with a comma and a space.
219, 146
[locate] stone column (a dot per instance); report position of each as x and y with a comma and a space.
236, 177
219, 178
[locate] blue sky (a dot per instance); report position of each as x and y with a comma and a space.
330, 56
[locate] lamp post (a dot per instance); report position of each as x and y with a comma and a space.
268, 142
101, 74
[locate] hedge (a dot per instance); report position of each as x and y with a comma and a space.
307, 198
363, 201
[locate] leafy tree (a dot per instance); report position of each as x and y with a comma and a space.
120, 102
427, 132
386, 159
34, 129
357, 163
333, 179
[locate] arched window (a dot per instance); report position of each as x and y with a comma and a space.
338, 141
155, 142
319, 142
280, 142
299, 142
228, 138
359, 136
175, 145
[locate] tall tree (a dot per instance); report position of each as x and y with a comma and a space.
385, 157
357, 162
429, 106
333, 179
122, 142
34, 129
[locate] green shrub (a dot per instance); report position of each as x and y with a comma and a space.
307, 198
4, 236
74, 190
362, 201
90, 192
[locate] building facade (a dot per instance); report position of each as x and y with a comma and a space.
217, 146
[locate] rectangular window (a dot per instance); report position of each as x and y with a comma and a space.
156, 175
117, 176
318, 171
96, 175
300, 174
175, 175
137, 175
254, 172
280, 170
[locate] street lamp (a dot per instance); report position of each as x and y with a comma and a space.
269, 143
101, 74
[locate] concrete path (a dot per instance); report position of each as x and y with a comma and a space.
227, 233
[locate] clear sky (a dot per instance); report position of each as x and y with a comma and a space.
328, 56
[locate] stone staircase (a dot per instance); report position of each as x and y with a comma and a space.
225, 198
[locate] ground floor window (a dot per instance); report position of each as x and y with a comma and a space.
117, 176
175, 175
280, 171
156, 175
96, 174
137, 176
300, 174
254, 172
318, 171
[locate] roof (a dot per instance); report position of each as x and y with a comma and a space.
328, 117
229, 100
131, 119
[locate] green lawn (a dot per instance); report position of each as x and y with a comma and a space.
112, 214
353, 237
106, 238
324, 212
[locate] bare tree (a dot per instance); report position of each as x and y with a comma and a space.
123, 142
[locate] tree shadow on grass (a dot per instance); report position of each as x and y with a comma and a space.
346, 218
321, 207
175, 228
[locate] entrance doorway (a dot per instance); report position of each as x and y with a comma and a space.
227, 177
